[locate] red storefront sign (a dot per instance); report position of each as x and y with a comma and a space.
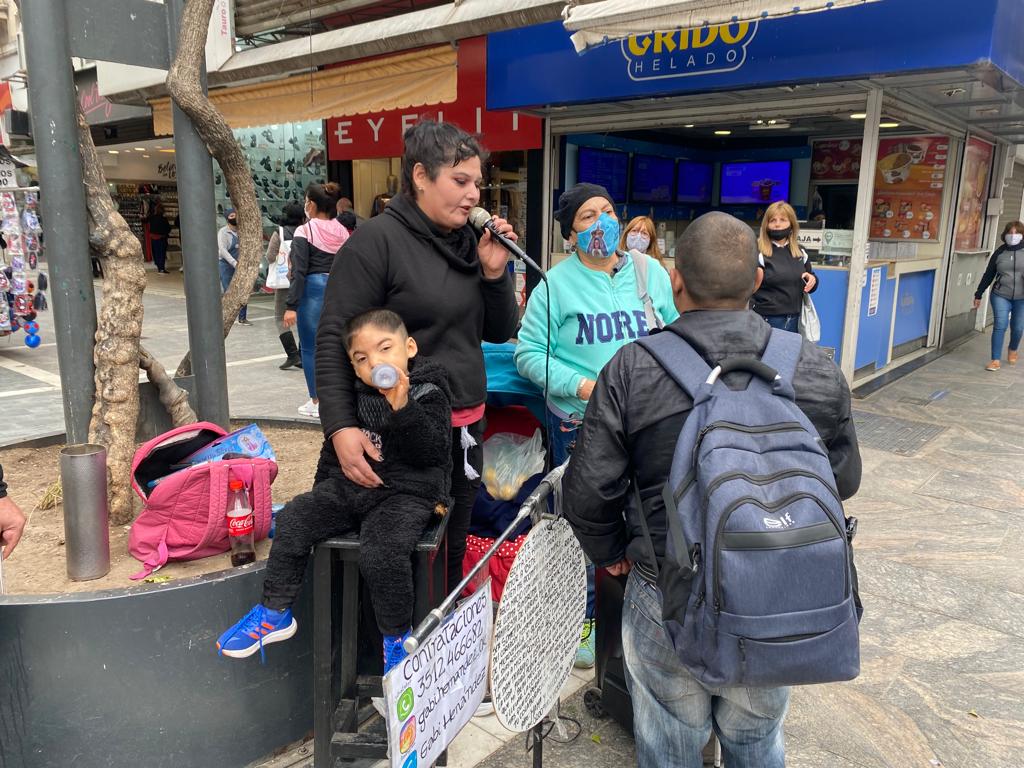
379, 134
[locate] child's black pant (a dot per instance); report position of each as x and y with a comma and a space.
389, 527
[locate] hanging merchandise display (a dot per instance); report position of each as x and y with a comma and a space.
21, 246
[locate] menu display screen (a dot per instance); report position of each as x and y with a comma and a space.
755, 183
693, 182
652, 179
604, 167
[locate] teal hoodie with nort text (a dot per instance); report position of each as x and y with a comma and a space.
593, 314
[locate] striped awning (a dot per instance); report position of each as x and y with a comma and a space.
603, 22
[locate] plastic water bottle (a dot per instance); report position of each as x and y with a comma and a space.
240, 525
384, 376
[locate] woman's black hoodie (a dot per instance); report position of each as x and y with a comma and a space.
400, 261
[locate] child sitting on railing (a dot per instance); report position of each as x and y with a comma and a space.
406, 413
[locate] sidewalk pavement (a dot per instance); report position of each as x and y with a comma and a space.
941, 512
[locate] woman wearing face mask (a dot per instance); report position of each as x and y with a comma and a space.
422, 260
227, 249
595, 310
641, 235
314, 246
784, 269
1006, 268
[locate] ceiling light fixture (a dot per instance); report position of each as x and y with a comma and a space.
112, 152
167, 150
889, 124
858, 115
723, 133
688, 125
140, 149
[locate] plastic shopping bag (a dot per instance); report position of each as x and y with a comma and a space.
509, 460
810, 326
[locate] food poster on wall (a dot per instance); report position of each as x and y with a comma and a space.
836, 160
909, 181
970, 214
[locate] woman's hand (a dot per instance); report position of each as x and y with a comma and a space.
976, 303
586, 389
493, 256
352, 447
620, 568
398, 395
809, 281
290, 318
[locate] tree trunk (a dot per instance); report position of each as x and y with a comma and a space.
186, 90
173, 397
118, 329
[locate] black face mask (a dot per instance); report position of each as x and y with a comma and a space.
780, 234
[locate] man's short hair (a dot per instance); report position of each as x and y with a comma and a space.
717, 259
381, 318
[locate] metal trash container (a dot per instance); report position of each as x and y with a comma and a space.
83, 472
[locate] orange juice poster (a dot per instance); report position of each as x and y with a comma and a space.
970, 211
909, 180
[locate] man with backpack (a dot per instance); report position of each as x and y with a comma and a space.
741, 580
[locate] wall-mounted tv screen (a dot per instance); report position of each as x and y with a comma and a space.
756, 183
652, 179
693, 182
605, 167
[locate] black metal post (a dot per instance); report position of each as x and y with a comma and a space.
65, 224
199, 255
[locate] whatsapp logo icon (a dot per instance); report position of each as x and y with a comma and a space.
405, 704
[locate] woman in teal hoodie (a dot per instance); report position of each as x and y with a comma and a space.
595, 309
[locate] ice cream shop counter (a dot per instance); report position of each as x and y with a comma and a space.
895, 313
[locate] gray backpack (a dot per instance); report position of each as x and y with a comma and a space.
758, 585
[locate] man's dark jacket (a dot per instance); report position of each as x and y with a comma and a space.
637, 411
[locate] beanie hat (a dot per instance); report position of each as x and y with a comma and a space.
571, 200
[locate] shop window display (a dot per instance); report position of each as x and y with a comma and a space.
284, 159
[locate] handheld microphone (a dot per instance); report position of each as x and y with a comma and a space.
481, 220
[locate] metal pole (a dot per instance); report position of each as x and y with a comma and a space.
83, 474
51, 90
199, 255
861, 231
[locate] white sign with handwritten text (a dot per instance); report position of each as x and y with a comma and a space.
434, 692
538, 626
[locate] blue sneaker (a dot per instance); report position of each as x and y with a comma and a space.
393, 651
260, 626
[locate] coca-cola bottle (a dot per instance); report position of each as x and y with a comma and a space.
240, 525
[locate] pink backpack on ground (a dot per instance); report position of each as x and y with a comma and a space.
183, 517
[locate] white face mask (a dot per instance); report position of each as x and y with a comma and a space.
1013, 239
637, 241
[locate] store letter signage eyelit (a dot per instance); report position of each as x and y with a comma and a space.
685, 52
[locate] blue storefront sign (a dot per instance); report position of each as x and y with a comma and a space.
537, 66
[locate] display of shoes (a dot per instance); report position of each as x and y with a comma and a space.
294, 142
289, 165
268, 136
252, 140
265, 164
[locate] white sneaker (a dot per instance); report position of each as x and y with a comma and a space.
310, 409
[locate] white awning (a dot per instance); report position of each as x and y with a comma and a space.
602, 22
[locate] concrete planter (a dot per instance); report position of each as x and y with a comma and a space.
131, 677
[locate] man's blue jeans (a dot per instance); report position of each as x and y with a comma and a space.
1006, 314
673, 713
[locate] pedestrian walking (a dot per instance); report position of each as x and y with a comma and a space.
279, 248
314, 247
1005, 273
227, 249
159, 230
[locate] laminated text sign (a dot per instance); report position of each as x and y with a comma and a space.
434, 692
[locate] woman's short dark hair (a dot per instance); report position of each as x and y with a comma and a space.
324, 196
1015, 225
292, 215
435, 145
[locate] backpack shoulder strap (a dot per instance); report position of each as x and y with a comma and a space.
679, 360
783, 353
640, 266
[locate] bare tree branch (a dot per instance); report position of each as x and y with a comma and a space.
185, 87
173, 397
